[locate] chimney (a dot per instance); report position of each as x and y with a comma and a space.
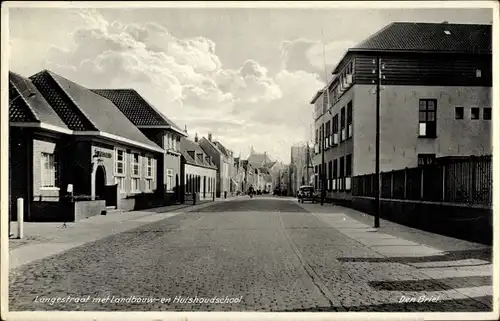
196, 137
210, 136
445, 22
185, 128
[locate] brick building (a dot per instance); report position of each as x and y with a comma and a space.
198, 171
159, 129
435, 101
64, 139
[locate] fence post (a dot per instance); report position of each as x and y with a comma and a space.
392, 184
444, 183
406, 180
473, 180
20, 217
422, 183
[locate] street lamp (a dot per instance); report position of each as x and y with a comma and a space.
376, 222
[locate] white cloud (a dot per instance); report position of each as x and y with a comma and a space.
185, 79
311, 56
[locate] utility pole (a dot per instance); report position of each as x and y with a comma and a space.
377, 148
307, 163
323, 138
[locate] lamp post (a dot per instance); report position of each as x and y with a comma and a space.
376, 223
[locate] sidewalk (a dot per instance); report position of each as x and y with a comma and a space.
42, 240
456, 265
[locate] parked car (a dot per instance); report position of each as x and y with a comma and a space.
306, 193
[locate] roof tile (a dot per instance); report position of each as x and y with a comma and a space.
430, 37
136, 108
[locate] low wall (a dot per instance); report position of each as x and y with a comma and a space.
145, 201
473, 224
64, 211
86, 209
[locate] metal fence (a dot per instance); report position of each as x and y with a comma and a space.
464, 181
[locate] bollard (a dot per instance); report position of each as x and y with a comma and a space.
20, 218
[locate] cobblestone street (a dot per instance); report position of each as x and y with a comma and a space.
266, 254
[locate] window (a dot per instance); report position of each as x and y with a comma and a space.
349, 119
170, 180
342, 124
459, 113
342, 167
174, 143
348, 165
135, 165
342, 172
327, 134
478, 73
49, 171
330, 172
335, 174
119, 162
487, 113
135, 185
426, 159
149, 185
149, 167
121, 184
474, 113
427, 118
336, 129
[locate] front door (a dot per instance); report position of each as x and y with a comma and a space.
100, 183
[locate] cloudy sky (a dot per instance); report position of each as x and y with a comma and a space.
246, 75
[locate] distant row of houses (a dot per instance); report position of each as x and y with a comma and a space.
75, 152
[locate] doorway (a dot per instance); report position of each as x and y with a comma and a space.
100, 183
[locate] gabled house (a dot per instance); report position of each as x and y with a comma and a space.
68, 144
198, 172
434, 85
159, 129
268, 169
223, 162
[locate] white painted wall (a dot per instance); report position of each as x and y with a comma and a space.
203, 172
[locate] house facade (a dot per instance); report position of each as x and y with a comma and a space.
61, 150
159, 129
435, 101
221, 161
199, 173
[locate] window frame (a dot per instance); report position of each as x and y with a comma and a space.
52, 171
121, 187
342, 124
457, 108
133, 164
490, 113
149, 167
349, 119
430, 125
138, 187
478, 113
123, 161
169, 175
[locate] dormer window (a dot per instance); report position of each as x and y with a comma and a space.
478, 73
447, 32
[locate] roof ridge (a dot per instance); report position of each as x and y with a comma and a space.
69, 97
18, 92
